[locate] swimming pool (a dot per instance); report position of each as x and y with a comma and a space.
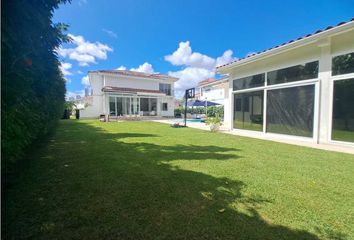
189, 120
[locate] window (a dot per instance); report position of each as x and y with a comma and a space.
343, 64
343, 110
165, 88
292, 74
291, 110
248, 112
112, 106
164, 107
249, 82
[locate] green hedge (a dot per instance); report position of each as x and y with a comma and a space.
212, 111
32, 85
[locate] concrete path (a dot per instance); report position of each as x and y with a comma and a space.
329, 147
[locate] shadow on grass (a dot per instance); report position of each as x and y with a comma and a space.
121, 186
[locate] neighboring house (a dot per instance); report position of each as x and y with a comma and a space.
121, 93
213, 90
301, 89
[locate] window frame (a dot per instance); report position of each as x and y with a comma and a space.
162, 106
266, 87
339, 77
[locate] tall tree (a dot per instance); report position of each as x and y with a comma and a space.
32, 85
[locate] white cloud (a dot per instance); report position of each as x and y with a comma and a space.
145, 67
64, 68
184, 56
79, 72
85, 81
85, 52
225, 58
110, 33
70, 94
198, 66
190, 76
122, 68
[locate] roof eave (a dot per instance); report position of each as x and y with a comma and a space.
287, 47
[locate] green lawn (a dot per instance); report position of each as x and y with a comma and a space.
143, 180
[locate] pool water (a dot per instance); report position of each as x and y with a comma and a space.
189, 120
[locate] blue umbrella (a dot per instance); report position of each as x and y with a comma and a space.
199, 103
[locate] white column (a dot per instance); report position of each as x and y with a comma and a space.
325, 100
158, 109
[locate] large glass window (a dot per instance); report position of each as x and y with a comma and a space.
343, 110
148, 106
112, 106
165, 88
291, 110
294, 73
248, 111
343, 64
249, 82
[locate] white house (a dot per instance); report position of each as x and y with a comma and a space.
121, 92
213, 90
302, 89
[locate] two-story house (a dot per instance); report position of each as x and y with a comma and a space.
122, 93
213, 90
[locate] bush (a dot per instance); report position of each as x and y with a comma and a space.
212, 111
33, 87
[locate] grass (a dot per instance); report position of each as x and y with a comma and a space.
144, 180
343, 135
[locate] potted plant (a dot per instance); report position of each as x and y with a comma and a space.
214, 122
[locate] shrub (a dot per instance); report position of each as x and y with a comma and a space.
33, 87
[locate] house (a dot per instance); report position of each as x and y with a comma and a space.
213, 90
302, 89
122, 93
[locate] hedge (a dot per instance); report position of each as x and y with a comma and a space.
32, 85
212, 111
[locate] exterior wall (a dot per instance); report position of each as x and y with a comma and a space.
170, 106
321, 50
100, 100
94, 109
215, 93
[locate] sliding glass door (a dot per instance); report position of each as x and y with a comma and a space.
343, 110
289, 95
119, 106
291, 110
248, 111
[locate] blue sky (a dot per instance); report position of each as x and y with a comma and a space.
182, 38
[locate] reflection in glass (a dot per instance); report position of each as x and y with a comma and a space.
249, 82
248, 111
291, 110
112, 106
343, 110
292, 74
343, 64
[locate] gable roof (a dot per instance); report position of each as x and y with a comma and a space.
136, 74
299, 39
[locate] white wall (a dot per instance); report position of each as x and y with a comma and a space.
94, 110
100, 106
322, 50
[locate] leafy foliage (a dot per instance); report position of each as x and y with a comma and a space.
211, 111
214, 120
32, 86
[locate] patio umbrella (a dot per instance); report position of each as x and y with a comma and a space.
199, 103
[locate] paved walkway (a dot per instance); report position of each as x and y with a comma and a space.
328, 147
